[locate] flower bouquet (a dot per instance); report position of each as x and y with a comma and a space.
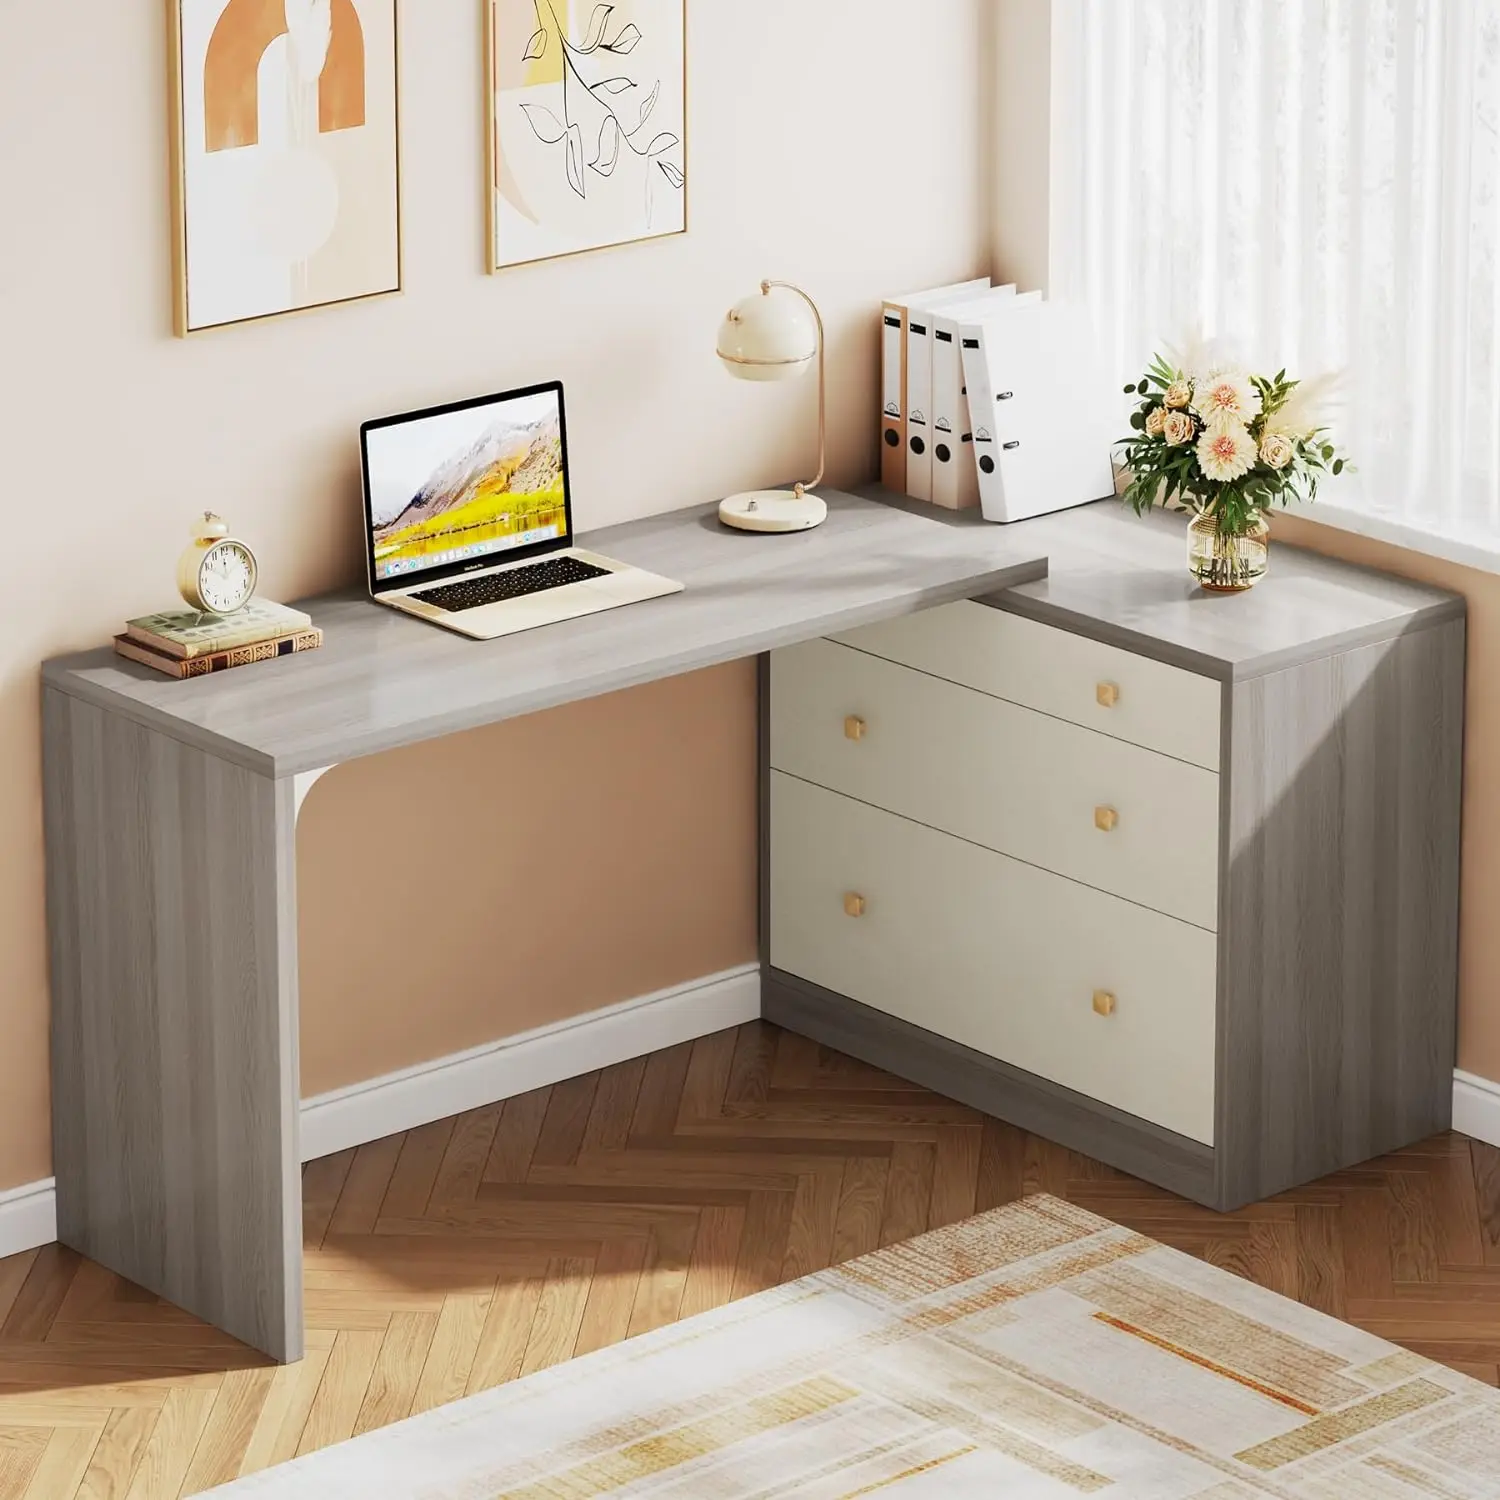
1226, 446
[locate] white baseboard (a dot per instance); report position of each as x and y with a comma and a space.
466, 1080
28, 1217
1476, 1107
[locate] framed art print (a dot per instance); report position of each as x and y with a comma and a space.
587, 125
286, 156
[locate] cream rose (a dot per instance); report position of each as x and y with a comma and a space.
1277, 450
1179, 393
1178, 428
1156, 419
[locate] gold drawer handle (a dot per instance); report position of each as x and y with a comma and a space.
854, 904
854, 727
1107, 694
1104, 1003
1106, 819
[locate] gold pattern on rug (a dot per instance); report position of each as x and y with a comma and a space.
1208, 1364
877, 1374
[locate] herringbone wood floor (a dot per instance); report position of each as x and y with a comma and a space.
481, 1248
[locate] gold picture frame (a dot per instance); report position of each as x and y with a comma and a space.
261, 226
561, 166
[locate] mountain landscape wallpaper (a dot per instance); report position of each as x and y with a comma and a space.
505, 486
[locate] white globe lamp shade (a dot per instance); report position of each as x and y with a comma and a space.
772, 334
768, 336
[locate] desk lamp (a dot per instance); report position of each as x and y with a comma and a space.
770, 336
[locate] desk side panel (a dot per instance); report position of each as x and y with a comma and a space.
1339, 932
171, 915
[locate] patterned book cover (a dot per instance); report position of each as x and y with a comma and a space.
219, 661
186, 633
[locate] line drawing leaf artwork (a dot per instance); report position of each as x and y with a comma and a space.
625, 40
545, 125
649, 105
607, 101
575, 160
609, 147
597, 22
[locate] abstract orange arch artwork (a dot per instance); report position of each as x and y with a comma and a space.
230, 71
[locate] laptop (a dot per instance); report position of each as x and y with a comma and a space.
469, 518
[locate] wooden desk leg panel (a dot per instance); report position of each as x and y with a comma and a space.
172, 920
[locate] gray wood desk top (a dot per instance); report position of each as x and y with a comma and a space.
1123, 578
383, 679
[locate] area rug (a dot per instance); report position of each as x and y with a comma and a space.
1032, 1353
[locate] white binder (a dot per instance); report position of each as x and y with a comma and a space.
955, 477
1042, 409
983, 398
894, 314
919, 435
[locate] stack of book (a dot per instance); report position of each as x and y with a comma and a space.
184, 643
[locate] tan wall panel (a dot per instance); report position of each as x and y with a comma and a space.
1479, 933
461, 891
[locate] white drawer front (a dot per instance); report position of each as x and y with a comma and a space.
1017, 781
995, 955
1143, 701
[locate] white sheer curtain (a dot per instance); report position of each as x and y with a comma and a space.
1316, 182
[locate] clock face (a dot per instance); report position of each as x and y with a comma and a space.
226, 578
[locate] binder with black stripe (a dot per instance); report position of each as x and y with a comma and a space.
955, 478
1042, 412
896, 433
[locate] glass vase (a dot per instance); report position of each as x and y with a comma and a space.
1228, 562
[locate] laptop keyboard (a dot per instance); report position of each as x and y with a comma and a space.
513, 583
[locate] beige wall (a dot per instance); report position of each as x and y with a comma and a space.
1021, 100
837, 143
609, 850
1479, 895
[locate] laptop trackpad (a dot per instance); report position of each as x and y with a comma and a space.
631, 585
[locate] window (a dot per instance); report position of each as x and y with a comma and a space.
1316, 183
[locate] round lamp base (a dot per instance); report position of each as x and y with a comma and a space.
772, 510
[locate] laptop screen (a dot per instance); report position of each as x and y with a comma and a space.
463, 487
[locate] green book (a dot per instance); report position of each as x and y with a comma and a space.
187, 633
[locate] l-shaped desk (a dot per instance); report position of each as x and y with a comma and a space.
171, 816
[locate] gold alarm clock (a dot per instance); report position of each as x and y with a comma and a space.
217, 573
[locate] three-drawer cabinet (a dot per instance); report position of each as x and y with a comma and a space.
1202, 927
